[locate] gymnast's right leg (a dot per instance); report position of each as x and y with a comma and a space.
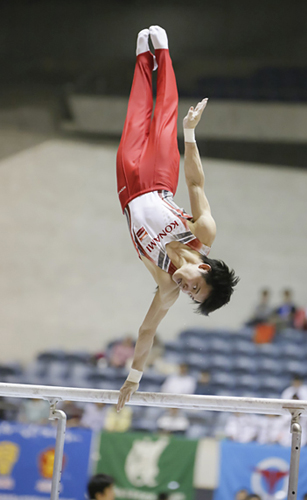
137, 123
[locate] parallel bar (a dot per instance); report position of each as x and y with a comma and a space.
215, 403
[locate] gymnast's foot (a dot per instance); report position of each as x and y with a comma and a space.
142, 45
158, 37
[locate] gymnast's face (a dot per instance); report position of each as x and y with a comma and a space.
190, 279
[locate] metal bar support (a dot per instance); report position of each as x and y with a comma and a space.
296, 431
59, 449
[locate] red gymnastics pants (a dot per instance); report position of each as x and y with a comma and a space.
148, 156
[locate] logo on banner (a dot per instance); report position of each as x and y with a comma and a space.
141, 466
45, 465
9, 454
270, 477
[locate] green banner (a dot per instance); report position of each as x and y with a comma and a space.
144, 465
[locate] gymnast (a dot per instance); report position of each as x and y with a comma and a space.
173, 245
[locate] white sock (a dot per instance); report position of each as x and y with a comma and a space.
142, 42
158, 37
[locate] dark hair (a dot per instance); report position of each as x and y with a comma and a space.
98, 483
163, 496
253, 496
222, 280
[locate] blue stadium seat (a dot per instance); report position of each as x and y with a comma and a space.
196, 332
222, 380
292, 351
220, 346
153, 377
271, 351
247, 393
247, 382
56, 373
294, 336
244, 333
11, 373
221, 362
147, 386
78, 375
198, 362
244, 347
197, 344
271, 383
244, 364
269, 366
295, 368
52, 355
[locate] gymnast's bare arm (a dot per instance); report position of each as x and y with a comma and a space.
165, 296
203, 225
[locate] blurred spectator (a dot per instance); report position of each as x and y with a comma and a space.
285, 313
241, 427
118, 422
263, 310
163, 496
2, 409
173, 420
180, 383
8, 410
73, 413
300, 319
253, 496
241, 495
122, 352
94, 415
270, 429
100, 487
156, 352
34, 411
203, 385
297, 389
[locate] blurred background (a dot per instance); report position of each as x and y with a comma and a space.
72, 290
69, 273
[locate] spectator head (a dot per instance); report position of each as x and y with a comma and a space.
265, 295
287, 295
253, 496
204, 377
128, 341
241, 495
183, 369
305, 496
100, 487
297, 380
163, 496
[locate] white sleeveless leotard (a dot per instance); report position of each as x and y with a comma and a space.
154, 220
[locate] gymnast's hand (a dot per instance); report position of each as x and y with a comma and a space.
194, 115
125, 393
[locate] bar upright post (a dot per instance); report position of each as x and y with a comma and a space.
59, 449
296, 431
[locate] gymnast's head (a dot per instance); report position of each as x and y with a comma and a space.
210, 283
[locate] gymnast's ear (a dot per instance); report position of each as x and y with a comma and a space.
204, 267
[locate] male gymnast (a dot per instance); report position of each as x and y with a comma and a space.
173, 245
